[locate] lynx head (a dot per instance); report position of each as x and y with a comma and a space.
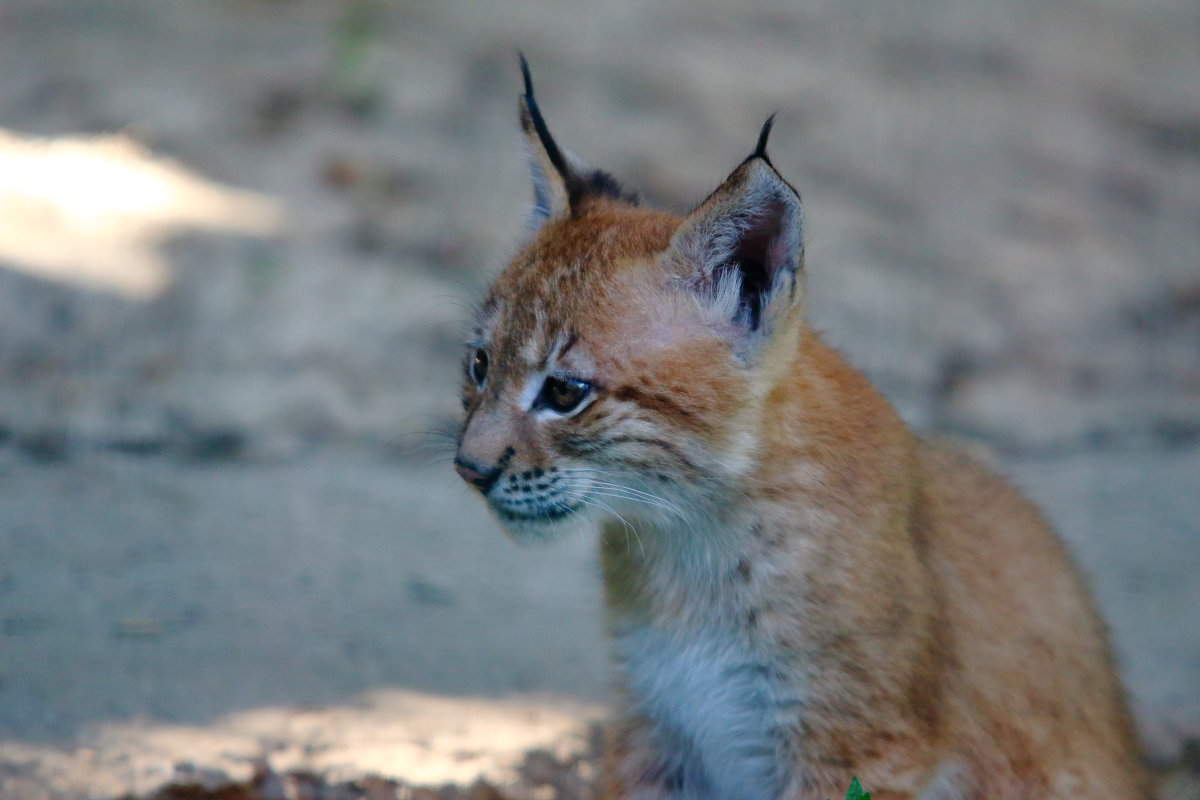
617, 365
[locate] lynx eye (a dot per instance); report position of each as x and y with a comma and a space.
479, 366
564, 394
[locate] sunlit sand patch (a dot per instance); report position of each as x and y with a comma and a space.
420, 738
93, 212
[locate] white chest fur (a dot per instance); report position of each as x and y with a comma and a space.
714, 704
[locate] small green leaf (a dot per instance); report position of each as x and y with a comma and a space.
855, 792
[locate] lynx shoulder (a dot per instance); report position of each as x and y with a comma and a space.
799, 589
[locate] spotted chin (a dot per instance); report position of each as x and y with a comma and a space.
536, 514
540, 524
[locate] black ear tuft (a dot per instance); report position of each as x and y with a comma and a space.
562, 184
760, 149
525, 74
539, 124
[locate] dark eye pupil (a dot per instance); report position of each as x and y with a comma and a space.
479, 366
563, 395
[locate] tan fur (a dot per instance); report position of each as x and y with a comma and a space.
915, 620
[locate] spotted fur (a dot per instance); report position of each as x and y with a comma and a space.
799, 589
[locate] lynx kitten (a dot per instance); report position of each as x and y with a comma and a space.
799, 588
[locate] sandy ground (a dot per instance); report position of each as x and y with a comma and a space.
236, 243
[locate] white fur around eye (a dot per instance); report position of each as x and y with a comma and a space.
533, 388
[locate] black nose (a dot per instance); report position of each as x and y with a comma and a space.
479, 478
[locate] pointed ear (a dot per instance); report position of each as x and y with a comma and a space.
561, 182
742, 246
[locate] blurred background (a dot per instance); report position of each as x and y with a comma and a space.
238, 242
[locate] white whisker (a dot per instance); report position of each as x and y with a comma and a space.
664, 505
628, 527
